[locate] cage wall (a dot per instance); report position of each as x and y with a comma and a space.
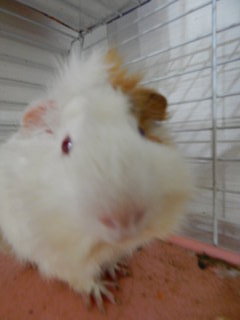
190, 52
173, 43
29, 44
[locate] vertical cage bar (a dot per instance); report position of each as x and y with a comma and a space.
77, 43
214, 121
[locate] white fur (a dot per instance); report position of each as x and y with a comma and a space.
51, 204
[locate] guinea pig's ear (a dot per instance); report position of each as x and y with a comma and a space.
43, 117
148, 106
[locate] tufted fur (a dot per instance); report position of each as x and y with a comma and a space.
148, 105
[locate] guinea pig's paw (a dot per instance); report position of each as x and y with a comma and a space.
120, 268
99, 291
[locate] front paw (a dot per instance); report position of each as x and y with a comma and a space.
120, 268
100, 289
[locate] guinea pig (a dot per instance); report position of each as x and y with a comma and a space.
80, 187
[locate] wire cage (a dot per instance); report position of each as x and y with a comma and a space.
188, 50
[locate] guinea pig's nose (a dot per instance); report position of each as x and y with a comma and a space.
125, 224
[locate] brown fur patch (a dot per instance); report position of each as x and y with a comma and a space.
118, 75
148, 106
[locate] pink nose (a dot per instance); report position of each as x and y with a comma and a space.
123, 221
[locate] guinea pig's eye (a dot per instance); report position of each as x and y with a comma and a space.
141, 131
67, 145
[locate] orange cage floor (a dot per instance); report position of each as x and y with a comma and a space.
166, 284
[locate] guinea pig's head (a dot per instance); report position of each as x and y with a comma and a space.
99, 175
88, 162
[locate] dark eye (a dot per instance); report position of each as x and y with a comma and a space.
67, 145
141, 131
